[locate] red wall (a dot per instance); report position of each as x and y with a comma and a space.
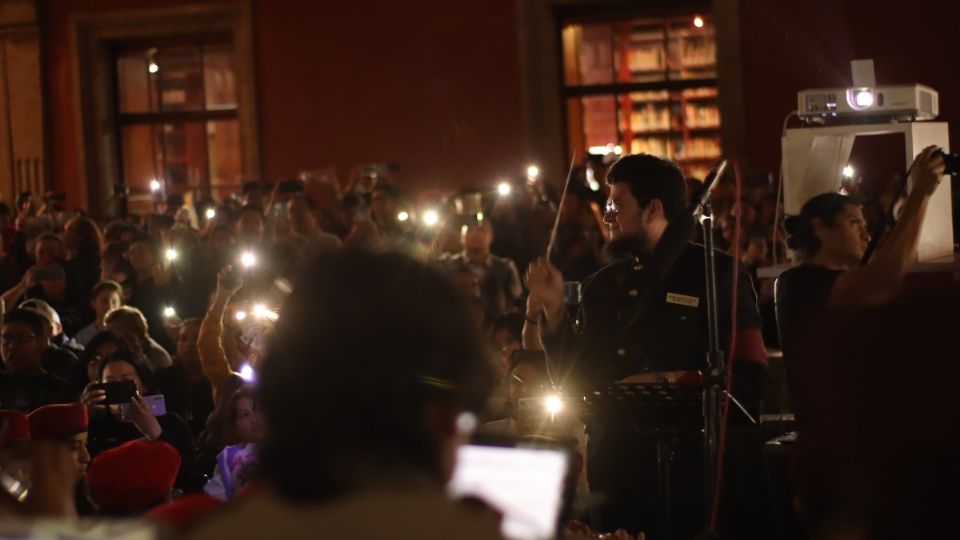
790, 46
432, 85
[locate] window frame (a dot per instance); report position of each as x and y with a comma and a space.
96, 36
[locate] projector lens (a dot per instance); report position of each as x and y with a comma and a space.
864, 98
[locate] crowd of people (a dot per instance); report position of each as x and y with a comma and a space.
315, 359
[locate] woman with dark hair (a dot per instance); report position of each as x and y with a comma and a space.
831, 237
84, 246
99, 347
243, 429
371, 382
115, 424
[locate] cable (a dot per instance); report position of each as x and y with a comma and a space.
722, 439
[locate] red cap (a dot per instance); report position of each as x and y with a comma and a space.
57, 421
18, 428
134, 474
185, 511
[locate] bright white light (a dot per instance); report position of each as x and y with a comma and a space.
240, 315
169, 312
246, 373
479, 216
504, 189
698, 21
403, 216
210, 213
533, 171
152, 67
466, 423
154, 185
605, 150
864, 98
594, 185
848, 172
171, 254
553, 404
261, 311
431, 218
248, 259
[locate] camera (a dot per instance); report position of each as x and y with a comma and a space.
951, 162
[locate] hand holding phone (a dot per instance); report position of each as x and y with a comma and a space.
156, 404
140, 415
229, 280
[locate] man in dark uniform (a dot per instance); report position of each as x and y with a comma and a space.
667, 339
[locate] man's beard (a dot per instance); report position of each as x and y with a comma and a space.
631, 245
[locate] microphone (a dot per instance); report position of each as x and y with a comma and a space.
703, 194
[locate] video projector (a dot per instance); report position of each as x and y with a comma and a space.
868, 104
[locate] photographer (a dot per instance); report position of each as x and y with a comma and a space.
114, 424
831, 235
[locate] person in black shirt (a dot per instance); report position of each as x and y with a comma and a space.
831, 235
187, 391
24, 384
667, 343
110, 426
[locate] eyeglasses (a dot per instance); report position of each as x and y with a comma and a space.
17, 338
612, 209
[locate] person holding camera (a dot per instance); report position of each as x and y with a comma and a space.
831, 236
119, 413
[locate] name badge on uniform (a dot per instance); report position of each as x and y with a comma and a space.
683, 300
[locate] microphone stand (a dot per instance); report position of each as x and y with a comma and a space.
714, 383
714, 380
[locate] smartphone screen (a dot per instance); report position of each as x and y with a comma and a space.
526, 485
156, 403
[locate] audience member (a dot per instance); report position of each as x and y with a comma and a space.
114, 424
187, 391
244, 429
130, 479
130, 323
152, 287
59, 356
102, 345
25, 385
15, 445
499, 282
106, 297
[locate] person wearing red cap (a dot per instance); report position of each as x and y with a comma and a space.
134, 477
110, 426
183, 512
66, 423
14, 446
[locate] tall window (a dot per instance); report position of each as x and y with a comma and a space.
644, 85
177, 120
